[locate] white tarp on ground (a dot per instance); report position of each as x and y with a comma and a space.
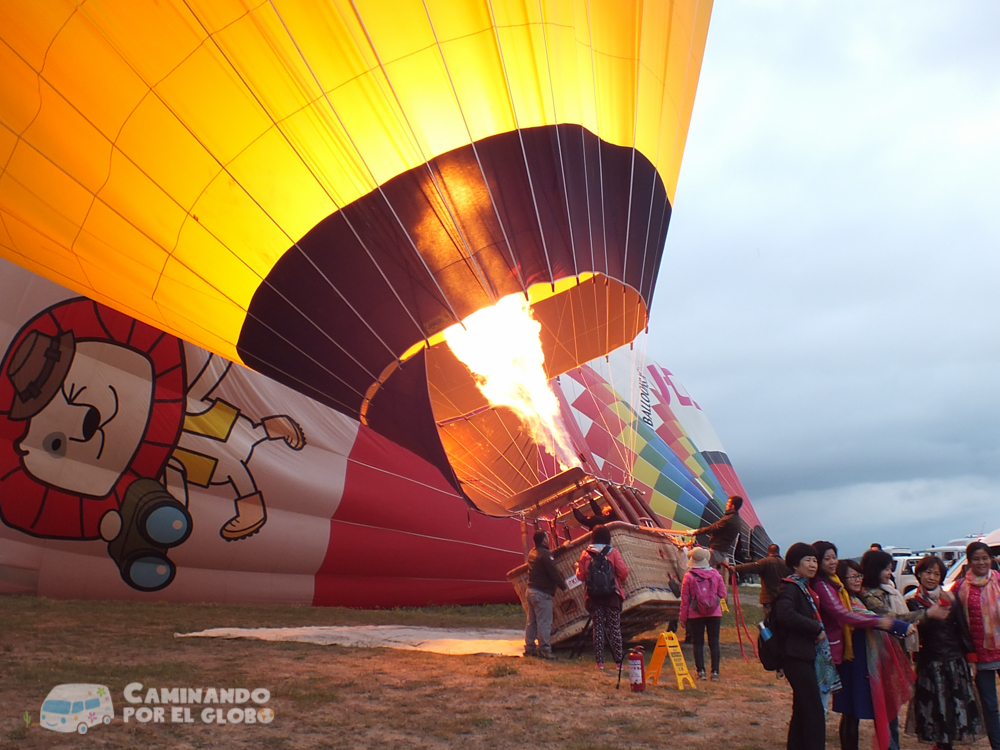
435, 640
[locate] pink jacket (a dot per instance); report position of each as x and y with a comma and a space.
687, 592
616, 560
835, 615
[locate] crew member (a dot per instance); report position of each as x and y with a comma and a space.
771, 569
723, 533
599, 518
543, 580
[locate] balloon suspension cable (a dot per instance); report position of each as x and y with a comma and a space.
738, 616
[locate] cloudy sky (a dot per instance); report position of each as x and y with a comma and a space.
830, 292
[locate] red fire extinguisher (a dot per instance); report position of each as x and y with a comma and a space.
636, 670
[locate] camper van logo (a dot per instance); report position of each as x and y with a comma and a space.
76, 708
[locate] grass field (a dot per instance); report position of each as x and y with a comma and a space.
331, 696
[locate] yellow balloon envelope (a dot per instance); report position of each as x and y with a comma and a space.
317, 190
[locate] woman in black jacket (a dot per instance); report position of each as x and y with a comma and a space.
943, 709
800, 629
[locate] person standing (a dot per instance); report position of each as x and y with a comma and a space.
979, 594
702, 591
603, 570
943, 709
723, 533
807, 665
601, 515
882, 598
872, 667
835, 606
771, 570
543, 580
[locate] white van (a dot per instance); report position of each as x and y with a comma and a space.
957, 570
904, 567
903, 571
948, 553
76, 708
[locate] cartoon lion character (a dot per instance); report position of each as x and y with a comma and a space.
109, 421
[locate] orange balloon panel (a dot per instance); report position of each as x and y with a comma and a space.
313, 190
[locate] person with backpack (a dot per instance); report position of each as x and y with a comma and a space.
702, 592
805, 655
603, 570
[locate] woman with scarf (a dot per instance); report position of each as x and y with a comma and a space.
890, 681
979, 594
874, 673
807, 663
943, 709
835, 605
839, 620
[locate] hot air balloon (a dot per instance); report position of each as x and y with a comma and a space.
320, 193
201, 443
133, 464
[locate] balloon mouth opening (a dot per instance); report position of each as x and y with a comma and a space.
495, 452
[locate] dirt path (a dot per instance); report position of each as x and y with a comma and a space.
331, 696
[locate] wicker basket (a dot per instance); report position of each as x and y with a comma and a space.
651, 559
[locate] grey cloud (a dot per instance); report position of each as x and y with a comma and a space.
828, 291
915, 514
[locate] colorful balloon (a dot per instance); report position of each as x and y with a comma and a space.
134, 464
318, 192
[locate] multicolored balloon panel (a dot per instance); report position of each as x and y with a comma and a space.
318, 192
646, 439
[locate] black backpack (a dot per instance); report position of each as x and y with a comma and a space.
769, 651
600, 574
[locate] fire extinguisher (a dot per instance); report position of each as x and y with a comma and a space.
636, 670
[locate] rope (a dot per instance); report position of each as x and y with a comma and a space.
738, 616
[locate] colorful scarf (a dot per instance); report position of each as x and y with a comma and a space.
927, 599
890, 676
826, 671
847, 630
989, 604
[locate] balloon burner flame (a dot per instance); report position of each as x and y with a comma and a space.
502, 348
